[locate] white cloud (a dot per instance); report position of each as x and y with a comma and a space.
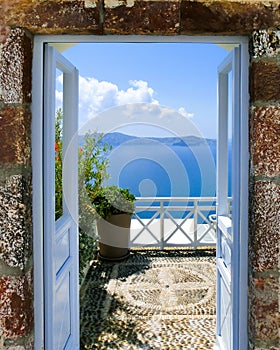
139, 92
182, 111
98, 96
134, 105
59, 98
138, 118
59, 79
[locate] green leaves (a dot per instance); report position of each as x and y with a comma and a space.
87, 247
58, 164
93, 163
92, 172
111, 200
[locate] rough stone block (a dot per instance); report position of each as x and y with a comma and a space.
15, 68
264, 81
15, 134
265, 43
141, 17
16, 305
264, 309
56, 17
4, 33
265, 223
15, 222
228, 17
19, 343
3, 7
265, 140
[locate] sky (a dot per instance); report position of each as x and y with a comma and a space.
152, 89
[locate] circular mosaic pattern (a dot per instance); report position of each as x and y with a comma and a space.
167, 289
154, 300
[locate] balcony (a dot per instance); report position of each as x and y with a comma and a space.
157, 298
164, 222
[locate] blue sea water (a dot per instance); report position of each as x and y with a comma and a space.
153, 169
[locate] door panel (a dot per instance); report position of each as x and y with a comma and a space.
227, 223
61, 236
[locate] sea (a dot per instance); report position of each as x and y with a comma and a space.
164, 167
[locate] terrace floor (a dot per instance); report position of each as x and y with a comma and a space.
153, 300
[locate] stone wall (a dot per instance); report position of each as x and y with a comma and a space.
264, 190
16, 285
155, 17
21, 19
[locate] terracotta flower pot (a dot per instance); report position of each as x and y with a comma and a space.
114, 237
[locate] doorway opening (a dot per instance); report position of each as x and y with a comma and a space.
164, 138
140, 96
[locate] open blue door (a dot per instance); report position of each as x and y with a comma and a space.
61, 296
232, 161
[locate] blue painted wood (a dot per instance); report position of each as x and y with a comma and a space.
227, 256
61, 237
232, 228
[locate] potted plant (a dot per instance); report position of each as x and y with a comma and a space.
114, 207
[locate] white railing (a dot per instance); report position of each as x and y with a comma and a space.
174, 222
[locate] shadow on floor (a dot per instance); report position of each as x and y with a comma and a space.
110, 321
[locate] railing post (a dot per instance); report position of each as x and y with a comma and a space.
161, 225
195, 223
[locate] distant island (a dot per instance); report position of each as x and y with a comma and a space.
116, 139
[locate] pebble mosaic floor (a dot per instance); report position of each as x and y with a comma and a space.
152, 300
